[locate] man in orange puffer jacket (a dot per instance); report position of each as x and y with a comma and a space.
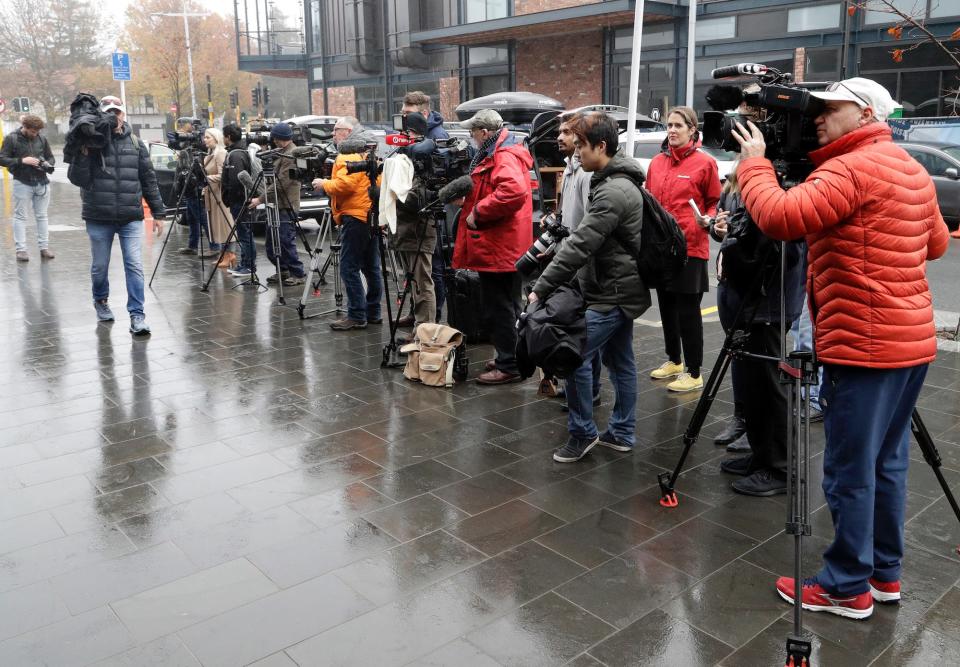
870, 217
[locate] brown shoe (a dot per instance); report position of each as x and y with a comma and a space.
228, 262
46, 254
490, 365
405, 322
346, 324
497, 376
22, 256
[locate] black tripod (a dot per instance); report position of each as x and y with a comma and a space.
325, 233
195, 174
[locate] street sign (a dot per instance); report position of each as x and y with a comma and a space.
655, 113
121, 66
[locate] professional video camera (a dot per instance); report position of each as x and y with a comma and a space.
190, 140
315, 161
786, 111
545, 244
436, 161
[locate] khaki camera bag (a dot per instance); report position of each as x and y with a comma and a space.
430, 355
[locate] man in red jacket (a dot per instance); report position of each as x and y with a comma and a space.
496, 228
870, 217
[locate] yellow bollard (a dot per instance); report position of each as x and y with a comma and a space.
7, 186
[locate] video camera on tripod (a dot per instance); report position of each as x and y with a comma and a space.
191, 140
436, 161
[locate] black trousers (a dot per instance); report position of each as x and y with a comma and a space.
501, 310
682, 328
764, 399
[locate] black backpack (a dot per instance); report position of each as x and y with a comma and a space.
663, 247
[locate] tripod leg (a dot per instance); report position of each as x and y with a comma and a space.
166, 239
932, 456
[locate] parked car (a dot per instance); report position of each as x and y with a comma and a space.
942, 162
165, 165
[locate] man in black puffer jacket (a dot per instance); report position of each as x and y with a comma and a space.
120, 176
601, 252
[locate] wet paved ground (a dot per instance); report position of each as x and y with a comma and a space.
247, 487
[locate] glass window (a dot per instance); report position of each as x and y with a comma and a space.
920, 95
819, 17
478, 86
940, 8
876, 16
763, 23
486, 10
822, 64
316, 43
488, 55
654, 35
724, 27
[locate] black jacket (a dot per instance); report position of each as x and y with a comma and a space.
238, 159
186, 163
121, 177
411, 225
551, 334
89, 127
596, 252
17, 146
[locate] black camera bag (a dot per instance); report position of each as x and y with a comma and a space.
748, 256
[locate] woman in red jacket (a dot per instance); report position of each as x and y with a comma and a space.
681, 173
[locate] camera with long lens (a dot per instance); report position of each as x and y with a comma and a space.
369, 165
436, 161
786, 113
544, 245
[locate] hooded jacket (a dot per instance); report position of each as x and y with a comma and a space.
871, 220
120, 177
502, 204
435, 128
601, 251
17, 146
679, 174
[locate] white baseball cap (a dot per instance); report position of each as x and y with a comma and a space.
862, 92
110, 103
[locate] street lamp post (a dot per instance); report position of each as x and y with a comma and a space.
186, 32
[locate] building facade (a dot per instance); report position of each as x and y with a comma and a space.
361, 56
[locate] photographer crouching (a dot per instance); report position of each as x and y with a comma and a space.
288, 193
870, 217
602, 254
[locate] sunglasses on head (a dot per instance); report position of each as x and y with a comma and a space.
834, 87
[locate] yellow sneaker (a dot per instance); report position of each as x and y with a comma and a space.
667, 370
685, 382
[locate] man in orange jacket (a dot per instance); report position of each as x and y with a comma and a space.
349, 203
871, 221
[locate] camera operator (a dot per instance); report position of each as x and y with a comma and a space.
28, 157
496, 224
350, 204
120, 177
288, 193
602, 253
417, 101
235, 196
870, 217
196, 214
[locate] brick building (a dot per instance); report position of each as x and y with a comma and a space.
578, 51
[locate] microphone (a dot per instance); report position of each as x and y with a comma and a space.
455, 189
737, 70
724, 98
246, 180
398, 139
352, 146
305, 151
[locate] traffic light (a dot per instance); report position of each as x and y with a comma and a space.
25, 105
255, 95
234, 102
266, 96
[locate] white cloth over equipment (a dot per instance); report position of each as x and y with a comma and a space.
396, 185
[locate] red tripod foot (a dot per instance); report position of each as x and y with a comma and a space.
669, 500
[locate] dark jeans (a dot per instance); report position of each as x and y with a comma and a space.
289, 259
610, 337
501, 310
867, 423
764, 399
197, 219
248, 247
727, 306
436, 271
682, 328
359, 253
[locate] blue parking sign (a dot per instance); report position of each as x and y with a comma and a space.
121, 66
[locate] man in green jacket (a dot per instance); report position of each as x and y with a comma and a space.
601, 253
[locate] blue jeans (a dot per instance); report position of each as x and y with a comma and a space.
248, 247
289, 259
101, 243
802, 332
611, 335
867, 423
197, 219
359, 254
38, 198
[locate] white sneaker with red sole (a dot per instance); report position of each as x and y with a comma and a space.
884, 591
815, 598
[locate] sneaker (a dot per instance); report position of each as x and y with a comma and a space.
346, 324
274, 279
813, 597
734, 429
574, 450
884, 591
686, 382
293, 281
104, 314
186, 250
610, 441
739, 465
760, 483
241, 272
667, 369
816, 414
22, 256
374, 320
740, 446
46, 254
138, 326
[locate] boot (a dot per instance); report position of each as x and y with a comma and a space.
228, 262
734, 429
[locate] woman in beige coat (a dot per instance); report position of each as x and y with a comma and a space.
218, 213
